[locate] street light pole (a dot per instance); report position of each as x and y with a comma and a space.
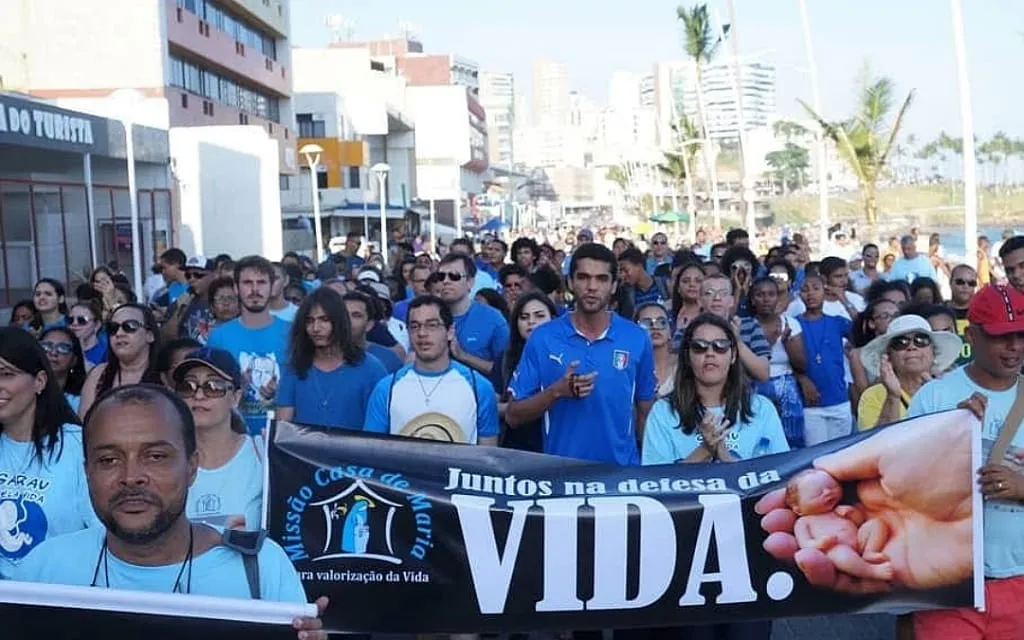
127, 101
822, 148
312, 153
967, 131
381, 169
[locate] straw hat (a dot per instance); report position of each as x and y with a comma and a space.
947, 345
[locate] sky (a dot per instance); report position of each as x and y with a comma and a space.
910, 41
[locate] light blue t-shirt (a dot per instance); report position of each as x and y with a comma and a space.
287, 314
73, 400
909, 270
40, 499
482, 332
601, 426
261, 354
335, 398
218, 572
234, 489
1004, 521
483, 280
461, 394
666, 443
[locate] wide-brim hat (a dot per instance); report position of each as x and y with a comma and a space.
434, 426
946, 345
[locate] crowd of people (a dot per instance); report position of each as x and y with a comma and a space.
619, 352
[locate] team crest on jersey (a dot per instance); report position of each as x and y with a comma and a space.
620, 359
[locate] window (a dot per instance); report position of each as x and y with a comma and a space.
321, 177
284, 183
353, 178
177, 73
192, 78
310, 128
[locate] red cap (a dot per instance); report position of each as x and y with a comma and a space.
998, 309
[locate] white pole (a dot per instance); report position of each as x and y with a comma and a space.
822, 148
133, 207
315, 194
90, 206
457, 208
366, 213
735, 75
967, 131
433, 229
382, 178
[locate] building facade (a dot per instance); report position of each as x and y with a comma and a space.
498, 98
550, 100
194, 62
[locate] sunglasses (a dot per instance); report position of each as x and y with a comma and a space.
211, 388
960, 282
129, 327
720, 346
194, 274
919, 340
781, 277
453, 277
80, 321
659, 242
653, 323
60, 348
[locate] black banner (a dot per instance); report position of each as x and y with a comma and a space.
412, 536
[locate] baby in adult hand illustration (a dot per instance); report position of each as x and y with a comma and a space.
841, 532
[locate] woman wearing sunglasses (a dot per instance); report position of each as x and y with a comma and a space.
904, 358
85, 323
65, 356
712, 415
132, 359
228, 489
39, 439
653, 318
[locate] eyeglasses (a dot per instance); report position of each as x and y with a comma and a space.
699, 347
60, 348
717, 293
129, 327
961, 282
450, 275
211, 388
429, 325
660, 322
781, 277
885, 317
78, 321
902, 343
296, 300
225, 299
194, 274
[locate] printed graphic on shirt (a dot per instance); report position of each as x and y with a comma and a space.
620, 359
263, 373
23, 524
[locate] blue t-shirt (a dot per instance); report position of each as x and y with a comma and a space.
234, 489
218, 572
401, 310
260, 354
388, 358
666, 443
459, 393
483, 280
175, 291
909, 270
335, 398
97, 353
287, 313
653, 294
1004, 520
826, 358
482, 332
601, 426
41, 499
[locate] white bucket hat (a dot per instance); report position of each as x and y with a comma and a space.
947, 345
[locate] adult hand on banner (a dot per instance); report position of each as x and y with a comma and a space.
313, 628
917, 485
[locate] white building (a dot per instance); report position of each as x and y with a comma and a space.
498, 98
550, 94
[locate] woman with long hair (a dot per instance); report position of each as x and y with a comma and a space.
871, 323
530, 311
787, 359
493, 299
22, 314
686, 295
48, 296
228, 489
40, 439
653, 318
328, 378
925, 290
85, 321
133, 332
102, 281
712, 415
67, 361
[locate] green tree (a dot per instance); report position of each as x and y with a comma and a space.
790, 166
866, 139
789, 130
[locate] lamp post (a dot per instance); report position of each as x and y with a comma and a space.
127, 100
312, 154
967, 131
822, 148
381, 170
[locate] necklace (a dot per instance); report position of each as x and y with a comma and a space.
427, 394
175, 588
816, 347
324, 398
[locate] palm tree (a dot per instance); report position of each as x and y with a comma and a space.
701, 43
865, 140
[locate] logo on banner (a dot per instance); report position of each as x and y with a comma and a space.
350, 514
620, 359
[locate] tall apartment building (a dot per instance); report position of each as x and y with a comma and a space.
498, 97
550, 94
675, 93
197, 62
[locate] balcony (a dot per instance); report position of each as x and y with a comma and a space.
186, 31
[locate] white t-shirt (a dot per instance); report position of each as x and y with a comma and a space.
779, 359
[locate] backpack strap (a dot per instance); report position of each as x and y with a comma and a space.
248, 544
1010, 427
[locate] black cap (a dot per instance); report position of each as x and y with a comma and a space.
222, 363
